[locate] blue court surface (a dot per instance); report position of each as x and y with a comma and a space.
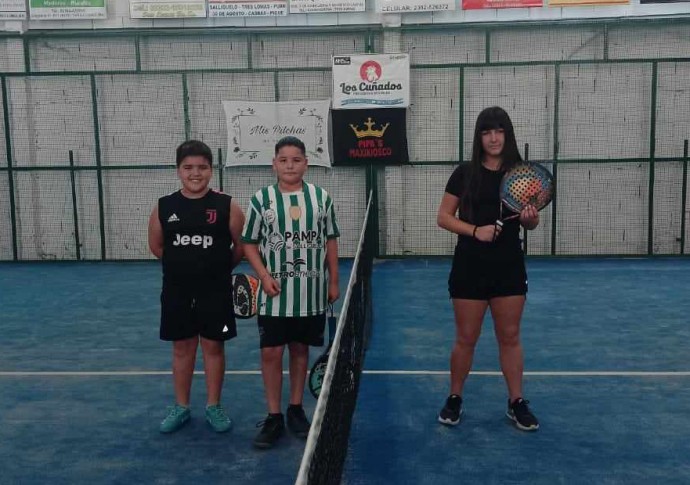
85, 382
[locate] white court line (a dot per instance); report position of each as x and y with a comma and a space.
368, 372
539, 373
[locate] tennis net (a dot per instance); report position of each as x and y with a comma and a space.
327, 444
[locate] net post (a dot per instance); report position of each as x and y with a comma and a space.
684, 197
75, 215
326, 448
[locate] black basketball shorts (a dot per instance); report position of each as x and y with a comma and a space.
188, 311
278, 331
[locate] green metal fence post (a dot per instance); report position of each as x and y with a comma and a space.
372, 186
461, 116
137, 53
684, 197
99, 167
554, 167
10, 174
27, 54
524, 231
652, 154
487, 46
74, 204
185, 108
220, 169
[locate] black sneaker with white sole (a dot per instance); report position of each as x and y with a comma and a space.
452, 410
519, 412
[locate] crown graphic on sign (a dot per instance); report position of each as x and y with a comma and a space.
370, 131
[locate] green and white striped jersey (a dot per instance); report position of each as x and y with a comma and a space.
291, 230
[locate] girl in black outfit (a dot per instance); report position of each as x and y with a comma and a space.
488, 265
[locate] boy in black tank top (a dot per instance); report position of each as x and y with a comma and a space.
196, 234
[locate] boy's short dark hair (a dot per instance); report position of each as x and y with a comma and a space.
192, 148
291, 141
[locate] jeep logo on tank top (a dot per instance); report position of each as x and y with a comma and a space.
196, 240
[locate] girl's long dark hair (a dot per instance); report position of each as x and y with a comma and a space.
489, 119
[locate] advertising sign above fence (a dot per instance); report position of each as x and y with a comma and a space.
167, 9
406, 6
326, 6
247, 8
67, 9
567, 3
255, 127
479, 4
12, 10
371, 81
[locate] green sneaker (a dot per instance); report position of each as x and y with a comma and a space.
216, 417
176, 418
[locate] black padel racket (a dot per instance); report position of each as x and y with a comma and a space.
245, 291
318, 370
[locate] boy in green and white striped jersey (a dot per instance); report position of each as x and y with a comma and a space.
290, 237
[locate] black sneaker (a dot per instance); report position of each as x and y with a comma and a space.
519, 412
297, 421
451, 412
272, 428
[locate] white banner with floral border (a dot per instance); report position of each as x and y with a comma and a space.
255, 127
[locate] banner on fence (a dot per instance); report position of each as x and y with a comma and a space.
376, 136
326, 6
167, 9
568, 3
371, 81
255, 127
247, 8
67, 9
406, 6
12, 10
480, 4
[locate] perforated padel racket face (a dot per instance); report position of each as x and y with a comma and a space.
527, 183
245, 289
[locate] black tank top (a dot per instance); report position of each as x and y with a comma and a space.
197, 241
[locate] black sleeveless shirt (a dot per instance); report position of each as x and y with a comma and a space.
197, 241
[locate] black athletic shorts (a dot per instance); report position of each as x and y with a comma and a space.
478, 275
188, 311
278, 331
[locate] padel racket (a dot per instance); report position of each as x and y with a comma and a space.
318, 370
528, 183
245, 291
